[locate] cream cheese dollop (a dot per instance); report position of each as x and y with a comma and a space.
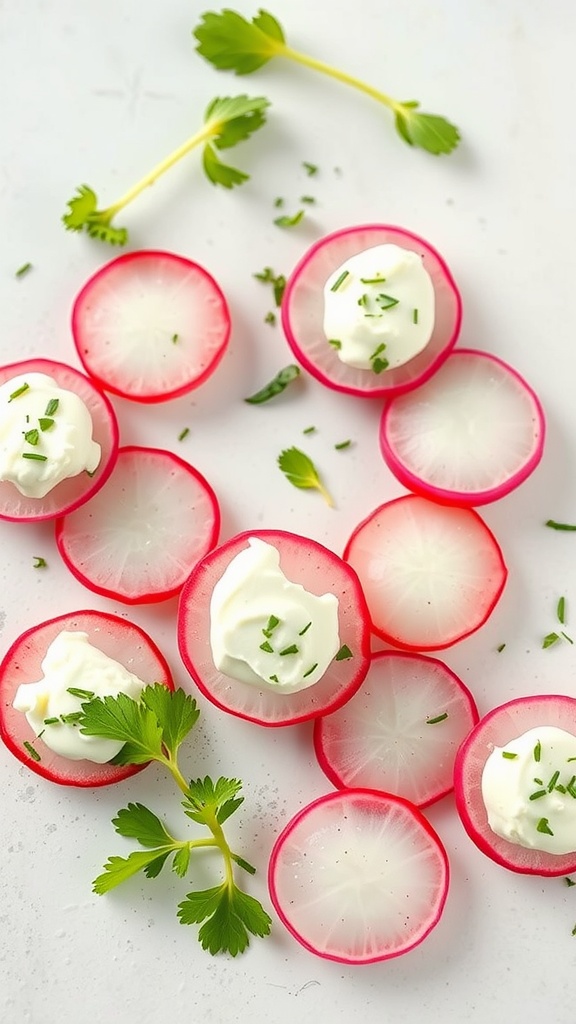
379, 308
529, 790
45, 434
267, 630
72, 662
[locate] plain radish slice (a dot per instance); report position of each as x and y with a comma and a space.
303, 312
431, 574
150, 326
319, 571
496, 729
119, 639
142, 535
469, 435
71, 493
358, 876
400, 731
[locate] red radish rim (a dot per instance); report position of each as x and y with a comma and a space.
149, 397
442, 495
343, 795
468, 776
193, 618
324, 722
404, 378
97, 774
149, 596
424, 648
74, 492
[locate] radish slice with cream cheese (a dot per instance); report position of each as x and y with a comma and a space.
150, 326
358, 876
119, 639
469, 435
142, 535
400, 731
431, 574
319, 571
497, 729
303, 312
73, 492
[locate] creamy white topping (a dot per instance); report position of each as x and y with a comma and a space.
529, 790
45, 434
379, 308
267, 630
72, 662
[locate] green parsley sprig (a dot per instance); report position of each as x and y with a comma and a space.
233, 43
227, 121
153, 729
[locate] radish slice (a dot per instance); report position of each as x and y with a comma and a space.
150, 326
496, 729
141, 537
119, 639
358, 876
469, 435
431, 574
303, 313
71, 493
400, 732
319, 571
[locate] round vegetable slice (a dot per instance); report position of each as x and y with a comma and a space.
145, 531
431, 574
400, 731
319, 571
496, 729
469, 435
303, 312
71, 493
358, 876
150, 325
119, 639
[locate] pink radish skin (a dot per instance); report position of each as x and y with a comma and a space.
303, 313
150, 326
382, 739
142, 536
71, 493
358, 877
318, 570
496, 729
431, 574
119, 639
440, 440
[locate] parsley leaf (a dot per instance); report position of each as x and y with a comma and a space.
207, 801
301, 472
126, 720
175, 711
228, 917
278, 384
233, 43
278, 282
285, 221
137, 822
119, 869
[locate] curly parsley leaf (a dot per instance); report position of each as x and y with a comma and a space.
299, 469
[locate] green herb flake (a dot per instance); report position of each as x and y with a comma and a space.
32, 751
310, 670
278, 202
35, 456
553, 781
549, 640
373, 280
566, 637
509, 755
500, 648
414, 316
19, 391
344, 654
278, 282
291, 649
561, 610
183, 433
569, 527
311, 169
335, 343
306, 628
274, 679
175, 339
276, 386
45, 423
39, 562
285, 221
378, 365
72, 717
309, 200
271, 625
270, 318
309, 430
52, 407
339, 281
439, 718
32, 436
76, 691
544, 827
342, 445
267, 647
386, 301
538, 794
537, 751
574, 930
569, 881
23, 270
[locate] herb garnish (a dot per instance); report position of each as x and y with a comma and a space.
311, 169
183, 433
52, 407
76, 691
32, 751
285, 221
538, 751
544, 827
568, 881
344, 654
270, 318
35, 456
278, 282
19, 391
339, 280
23, 269
32, 436
438, 718
227, 120
39, 562
560, 526
342, 445
291, 649
500, 648
509, 754
301, 472
45, 423
276, 386
233, 43
561, 610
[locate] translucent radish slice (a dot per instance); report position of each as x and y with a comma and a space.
469, 435
319, 571
145, 531
119, 639
358, 876
303, 313
150, 326
71, 493
431, 574
496, 729
400, 732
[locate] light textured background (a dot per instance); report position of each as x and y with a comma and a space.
98, 92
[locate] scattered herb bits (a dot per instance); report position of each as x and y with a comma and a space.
276, 386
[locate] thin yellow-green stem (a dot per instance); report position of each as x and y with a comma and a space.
341, 76
212, 823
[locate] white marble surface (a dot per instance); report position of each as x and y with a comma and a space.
98, 92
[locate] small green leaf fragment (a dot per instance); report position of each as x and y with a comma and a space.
52, 407
301, 472
23, 270
19, 391
311, 169
344, 654
220, 173
183, 433
500, 648
285, 221
342, 445
569, 881
569, 527
537, 751
31, 751
39, 562
276, 386
35, 456
137, 822
339, 280
45, 423
509, 755
543, 826
549, 640
270, 318
561, 610
438, 718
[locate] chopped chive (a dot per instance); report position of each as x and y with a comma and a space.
32, 436
270, 318
31, 750
51, 721
39, 562
274, 679
553, 781
561, 610
267, 647
183, 433
289, 222
537, 794
574, 930
278, 202
339, 280
311, 169
568, 759
537, 751
46, 422
549, 640
538, 781
560, 789
309, 430
571, 788
381, 347
306, 628
35, 456
559, 526
372, 280
386, 301
569, 881
335, 343
344, 653
414, 316
273, 621
500, 648
76, 691
23, 269
292, 649
566, 637
379, 364
544, 827
341, 445
439, 718
19, 391
307, 199
175, 338
509, 755
310, 670
363, 300
72, 717
52, 407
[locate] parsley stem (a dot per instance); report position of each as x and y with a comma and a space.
341, 76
